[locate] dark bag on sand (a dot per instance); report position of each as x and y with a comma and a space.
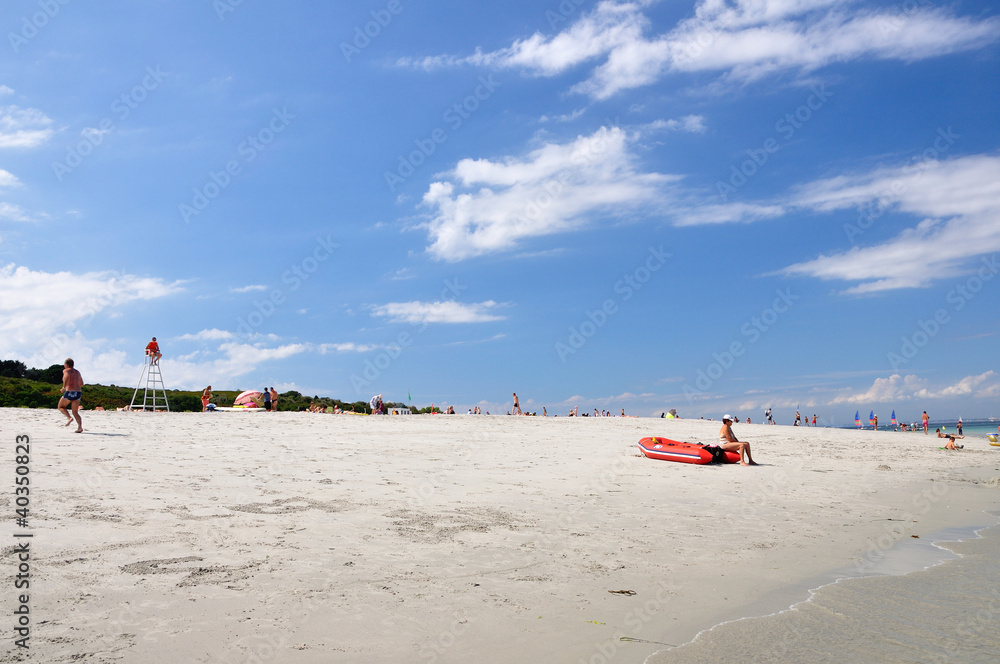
718, 454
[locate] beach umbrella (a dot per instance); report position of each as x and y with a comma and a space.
893, 420
250, 396
857, 418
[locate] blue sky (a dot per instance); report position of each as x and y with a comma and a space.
705, 206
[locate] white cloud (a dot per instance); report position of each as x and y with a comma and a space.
904, 388
8, 179
438, 312
556, 188
608, 25
207, 335
885, 390
4, 91
983, 385
35, 306
349, 347
690, 123
565, 117
12, 212
957, 202
248, 289
745, 39
23, 127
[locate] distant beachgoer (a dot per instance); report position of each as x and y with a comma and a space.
517, 405
274, 399
875, 423
206, 396
729, 442
767, 416
748, 420
950, 445
926, 420
545, 413
959, 426
798, 419
153, 351
72, 385
267, 399
814, 419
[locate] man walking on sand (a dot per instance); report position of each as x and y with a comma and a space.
517, 405
72, 394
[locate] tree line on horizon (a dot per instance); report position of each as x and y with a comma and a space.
21, 387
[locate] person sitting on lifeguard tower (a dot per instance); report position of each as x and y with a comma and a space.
153, 351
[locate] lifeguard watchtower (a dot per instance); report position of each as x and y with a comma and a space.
150, 381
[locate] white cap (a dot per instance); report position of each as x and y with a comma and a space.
729, 417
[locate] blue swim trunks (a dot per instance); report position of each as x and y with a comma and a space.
72, 395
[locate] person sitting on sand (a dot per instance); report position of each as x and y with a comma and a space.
950, 445
729, 442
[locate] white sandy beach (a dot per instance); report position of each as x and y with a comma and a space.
301, 538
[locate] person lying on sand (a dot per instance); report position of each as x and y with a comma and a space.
729, 442
950, 445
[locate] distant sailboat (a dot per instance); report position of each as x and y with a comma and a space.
857, 418
893, 420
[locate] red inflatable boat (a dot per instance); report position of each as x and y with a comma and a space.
672, 450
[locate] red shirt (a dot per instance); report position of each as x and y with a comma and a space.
153, 346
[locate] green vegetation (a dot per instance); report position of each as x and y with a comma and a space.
21, 387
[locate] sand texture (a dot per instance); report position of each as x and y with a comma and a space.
289, 537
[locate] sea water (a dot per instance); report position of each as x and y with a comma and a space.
948, 610
970, 428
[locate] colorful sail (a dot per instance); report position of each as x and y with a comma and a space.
871, 418
857, 418
893, 421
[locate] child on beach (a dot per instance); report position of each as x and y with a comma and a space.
950, 445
